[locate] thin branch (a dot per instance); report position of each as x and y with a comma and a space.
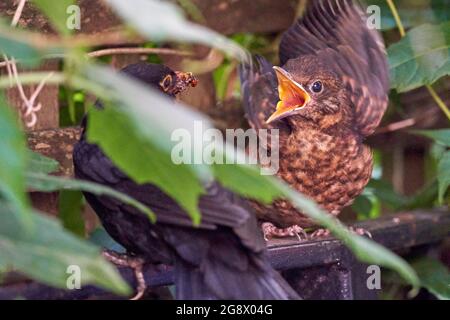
40, 87
402, 32
35, 77
397, 126
407, 123
397, 19
29, 103
18, 13
115, 51
19, 84
8, 69
439, 101
162, 51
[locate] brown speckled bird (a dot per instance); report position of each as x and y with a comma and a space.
329, 94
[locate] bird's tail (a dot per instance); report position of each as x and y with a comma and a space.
218, 280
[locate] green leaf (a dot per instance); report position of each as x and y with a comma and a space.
363, 206
424, 198
363, 248
162, 20
45, 183
442, 139
443, 175
440, 9
246, 180
434, 276
437, 150
142, 146
39, 163
56, 11
70, 206
46, 254
386, 193
13, 158
421, 57
221, 78
102, 239
192, 10
20, 50
441, 136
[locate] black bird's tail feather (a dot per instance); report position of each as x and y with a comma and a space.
217, 281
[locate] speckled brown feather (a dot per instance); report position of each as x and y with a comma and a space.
322, 154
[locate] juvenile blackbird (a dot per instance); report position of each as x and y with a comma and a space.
329, 94
223, 258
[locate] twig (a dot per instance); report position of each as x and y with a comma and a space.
114, 51
29, 103
18, 13
8, 69
439, 101
407, 123
402, 32
162, 51
397, 126
40, 87
397, 19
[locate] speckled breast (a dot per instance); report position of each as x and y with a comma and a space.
330, 170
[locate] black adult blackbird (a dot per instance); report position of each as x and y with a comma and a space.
329, 94
224, 258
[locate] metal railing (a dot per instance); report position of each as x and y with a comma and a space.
319, 269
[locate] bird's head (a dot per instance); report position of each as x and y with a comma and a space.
161, 77
311, 93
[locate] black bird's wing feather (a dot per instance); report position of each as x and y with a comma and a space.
222, 258
336, 31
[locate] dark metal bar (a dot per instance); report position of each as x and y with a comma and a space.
320, 269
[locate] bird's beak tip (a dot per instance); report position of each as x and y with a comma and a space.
291, 94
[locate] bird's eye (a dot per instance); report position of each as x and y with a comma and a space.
317, 87
165, 84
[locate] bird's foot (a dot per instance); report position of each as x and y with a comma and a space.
360, 231
132, 262
323, 233
270, 231
320, 233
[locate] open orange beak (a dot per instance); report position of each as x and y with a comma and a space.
292, 96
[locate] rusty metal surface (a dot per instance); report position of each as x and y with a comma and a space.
320, 269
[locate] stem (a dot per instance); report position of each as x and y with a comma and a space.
35, 77
58, 78
137, 50
402, 32
18, 13
439, 101
397, 19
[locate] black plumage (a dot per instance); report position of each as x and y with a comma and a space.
223, 258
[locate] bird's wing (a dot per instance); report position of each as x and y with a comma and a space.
337, 30
219, 207
259, 89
